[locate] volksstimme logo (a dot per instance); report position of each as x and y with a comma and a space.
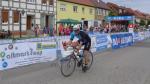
41, 46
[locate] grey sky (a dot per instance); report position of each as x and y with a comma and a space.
142, 5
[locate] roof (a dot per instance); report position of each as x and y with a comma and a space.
101, 4
128, 11
113, 7
112, 4
92, 3
82, 2
139, 14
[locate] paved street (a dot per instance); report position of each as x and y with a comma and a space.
123, 66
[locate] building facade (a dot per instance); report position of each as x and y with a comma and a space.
25, 14
83, 11
101, 11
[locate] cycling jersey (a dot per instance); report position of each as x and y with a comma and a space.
83, 37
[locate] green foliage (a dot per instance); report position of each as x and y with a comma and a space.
142, 23
148, 23
111, 13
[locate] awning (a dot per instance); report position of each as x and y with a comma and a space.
69, 21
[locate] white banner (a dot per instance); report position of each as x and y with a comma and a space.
141, 35
93, 43
5, 41
20, 54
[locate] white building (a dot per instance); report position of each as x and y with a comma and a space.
41, 12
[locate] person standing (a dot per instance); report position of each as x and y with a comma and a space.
37, 30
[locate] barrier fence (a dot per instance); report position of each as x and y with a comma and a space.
30, 51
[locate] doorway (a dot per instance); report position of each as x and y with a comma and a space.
30, 22
85, 25
47, 21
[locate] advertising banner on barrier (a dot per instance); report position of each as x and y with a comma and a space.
121, 40
21, 54
5, 41
109, 41
136, 37
142, 36
101, 42
147, 34
93, 43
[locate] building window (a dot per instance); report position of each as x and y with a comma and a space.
91, 11
107, 12
31, 1
75, 8
104, 12
5, 14
44, 1
100, 11
62, 7
16, 16
120, 10
51, 2
83, 10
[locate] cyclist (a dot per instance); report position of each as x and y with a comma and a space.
83, 39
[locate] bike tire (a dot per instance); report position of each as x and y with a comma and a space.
91, 60
65, 63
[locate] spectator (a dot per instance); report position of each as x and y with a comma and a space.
67, 32
51, 30
36, 30
85, 28
45, 31
60, 29
91, 30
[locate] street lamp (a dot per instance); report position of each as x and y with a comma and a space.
20, 14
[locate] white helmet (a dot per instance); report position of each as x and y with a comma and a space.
76, 27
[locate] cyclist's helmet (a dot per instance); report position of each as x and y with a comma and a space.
76, 27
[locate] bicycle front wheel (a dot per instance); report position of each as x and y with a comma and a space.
68, 66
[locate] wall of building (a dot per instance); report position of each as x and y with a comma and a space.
35, 9
69, 13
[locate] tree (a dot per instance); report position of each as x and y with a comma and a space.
111, 13
148, 23
142, 23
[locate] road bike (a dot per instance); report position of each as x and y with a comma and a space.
69, 63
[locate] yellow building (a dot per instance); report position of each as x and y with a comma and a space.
81, 10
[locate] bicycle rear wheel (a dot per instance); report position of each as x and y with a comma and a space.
68, 66
90, 60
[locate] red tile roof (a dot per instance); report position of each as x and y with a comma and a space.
113, 7
92, 3
83, 2
101, 4
129, 11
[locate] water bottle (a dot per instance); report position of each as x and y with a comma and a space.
78, 57
81, 54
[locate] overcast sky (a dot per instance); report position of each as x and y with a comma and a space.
142, 5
